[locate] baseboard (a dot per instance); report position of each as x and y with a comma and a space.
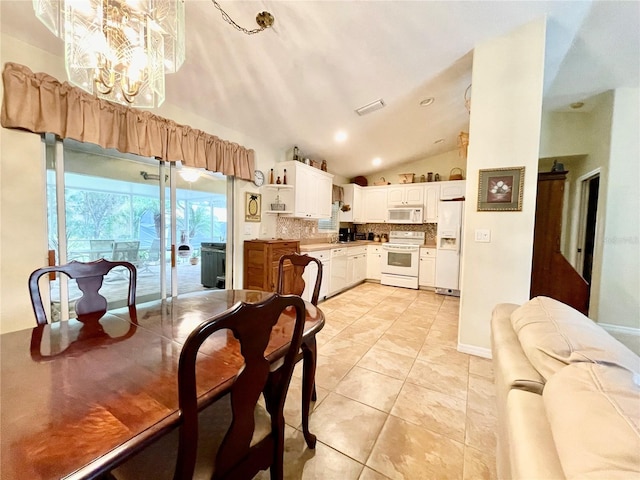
473, 350
620, 329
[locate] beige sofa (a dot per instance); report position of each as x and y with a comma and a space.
567, 393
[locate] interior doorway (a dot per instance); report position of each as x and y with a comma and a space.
589, 191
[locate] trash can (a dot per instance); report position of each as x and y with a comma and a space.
212, 264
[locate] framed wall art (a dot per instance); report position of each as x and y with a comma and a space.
500, 189
252, 207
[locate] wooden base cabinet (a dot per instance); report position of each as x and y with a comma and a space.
261, 259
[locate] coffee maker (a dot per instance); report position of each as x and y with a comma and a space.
346, 234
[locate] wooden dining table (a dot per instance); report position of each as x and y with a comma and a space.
79, 398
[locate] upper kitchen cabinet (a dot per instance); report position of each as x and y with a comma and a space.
405, 195
353, 199
312, 190
375, 204
431, 198
452, 189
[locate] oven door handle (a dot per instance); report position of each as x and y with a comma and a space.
400, 248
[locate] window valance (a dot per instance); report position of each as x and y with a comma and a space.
39, 103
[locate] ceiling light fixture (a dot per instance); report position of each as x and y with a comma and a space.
577, 105
263, 19
371, 107
118, 50
376, 161
427, 101
340, 136
190, 174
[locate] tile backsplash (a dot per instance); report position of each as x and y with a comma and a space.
430, 229
287, 227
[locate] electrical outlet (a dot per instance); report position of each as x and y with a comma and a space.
247, 229
483, 235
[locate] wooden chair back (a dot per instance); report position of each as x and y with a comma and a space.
89, 277
251, 324
294, 284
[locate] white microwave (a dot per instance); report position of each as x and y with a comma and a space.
405, 215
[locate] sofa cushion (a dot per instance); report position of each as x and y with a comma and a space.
594, 416
554, 335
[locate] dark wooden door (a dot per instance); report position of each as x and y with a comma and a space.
551, 274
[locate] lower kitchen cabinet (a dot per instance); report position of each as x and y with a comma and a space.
338, 279
427, 268
311, 271
356, 264
261, 259
374, 260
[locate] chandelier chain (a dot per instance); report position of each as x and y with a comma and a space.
263, 24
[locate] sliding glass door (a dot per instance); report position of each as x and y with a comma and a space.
104, 204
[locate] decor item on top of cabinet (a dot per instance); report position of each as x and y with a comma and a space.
361, 181
382, 181
463, 144
253, 203
501, 189
405, 178
456, 173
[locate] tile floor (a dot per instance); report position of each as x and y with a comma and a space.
396, 400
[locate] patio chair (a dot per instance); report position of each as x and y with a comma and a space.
125, 252
101, 249
223, 441
89, 277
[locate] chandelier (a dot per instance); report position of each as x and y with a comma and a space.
118, 50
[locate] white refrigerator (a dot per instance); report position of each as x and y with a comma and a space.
448, 243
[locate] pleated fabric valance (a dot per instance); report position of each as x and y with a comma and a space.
39, 103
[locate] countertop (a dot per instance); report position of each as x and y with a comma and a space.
314, 247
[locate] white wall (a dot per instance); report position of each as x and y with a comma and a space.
441, 164
504, 132
619, 289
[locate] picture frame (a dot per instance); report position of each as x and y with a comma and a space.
500, 189
252, 207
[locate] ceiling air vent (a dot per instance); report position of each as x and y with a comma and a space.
372, 107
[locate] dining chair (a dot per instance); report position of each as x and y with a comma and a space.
221, 441
89, 277
293, 283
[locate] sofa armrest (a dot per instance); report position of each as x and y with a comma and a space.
511, 366
532, 450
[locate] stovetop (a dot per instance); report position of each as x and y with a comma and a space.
402, 237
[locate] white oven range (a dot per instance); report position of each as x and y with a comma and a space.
400, 259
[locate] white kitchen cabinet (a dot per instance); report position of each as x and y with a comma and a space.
353, 198
361, 267
374, 259
375, 204
311, 271
338, 278
452, 189
431, 199
356, 264
427, 267
405, 195
312, 190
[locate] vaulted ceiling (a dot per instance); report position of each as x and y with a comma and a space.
301, 81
